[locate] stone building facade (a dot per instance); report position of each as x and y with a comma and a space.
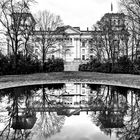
77, 43
78, 46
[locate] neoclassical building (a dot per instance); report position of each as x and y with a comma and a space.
71, 44
108, 40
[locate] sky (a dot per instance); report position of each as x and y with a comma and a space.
78, 127
77, 13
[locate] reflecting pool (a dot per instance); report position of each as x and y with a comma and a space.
70, 111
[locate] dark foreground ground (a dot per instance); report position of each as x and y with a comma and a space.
64, 77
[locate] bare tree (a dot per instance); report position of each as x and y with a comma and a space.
131, 8
96, 45
45, 36
104, 41
15, 19
110, 39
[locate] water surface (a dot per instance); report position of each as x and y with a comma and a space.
69, 111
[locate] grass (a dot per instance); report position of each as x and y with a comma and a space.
62, 77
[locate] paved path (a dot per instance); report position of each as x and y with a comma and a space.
68, 77
71, 66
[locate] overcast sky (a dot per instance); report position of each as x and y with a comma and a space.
83, 13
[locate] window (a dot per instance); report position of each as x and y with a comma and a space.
83, 44
67, 51
83, 57
83, 51
70, 41
83, 85
83, 91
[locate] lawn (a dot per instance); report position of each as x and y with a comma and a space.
63, 77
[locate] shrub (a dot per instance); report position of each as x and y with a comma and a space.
104, 67
4, 64
27, 65
83, 67
54, 65
137, 65
124, 65
24, 65
93, 65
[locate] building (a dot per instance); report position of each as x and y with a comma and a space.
71, 42
114, 28
116, 20
78, 46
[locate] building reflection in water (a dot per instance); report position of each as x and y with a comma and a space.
41, 110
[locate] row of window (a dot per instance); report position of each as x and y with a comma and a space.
83, 54
84, 57
115, 21
68, 41
83, 51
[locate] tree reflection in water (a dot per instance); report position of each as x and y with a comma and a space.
20, 122
16, 98
119, 112
48, 125
131, 130
49, 122
39, 111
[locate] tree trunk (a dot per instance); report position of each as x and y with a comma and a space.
16, 56
132, 48
43, 59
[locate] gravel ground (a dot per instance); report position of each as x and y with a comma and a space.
126, 80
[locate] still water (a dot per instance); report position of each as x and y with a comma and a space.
71, 111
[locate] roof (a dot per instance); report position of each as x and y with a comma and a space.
62, 29
114, 14
111, 15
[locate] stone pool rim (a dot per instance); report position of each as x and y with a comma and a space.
31, 83
123, 80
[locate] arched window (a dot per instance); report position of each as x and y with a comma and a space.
83, 51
